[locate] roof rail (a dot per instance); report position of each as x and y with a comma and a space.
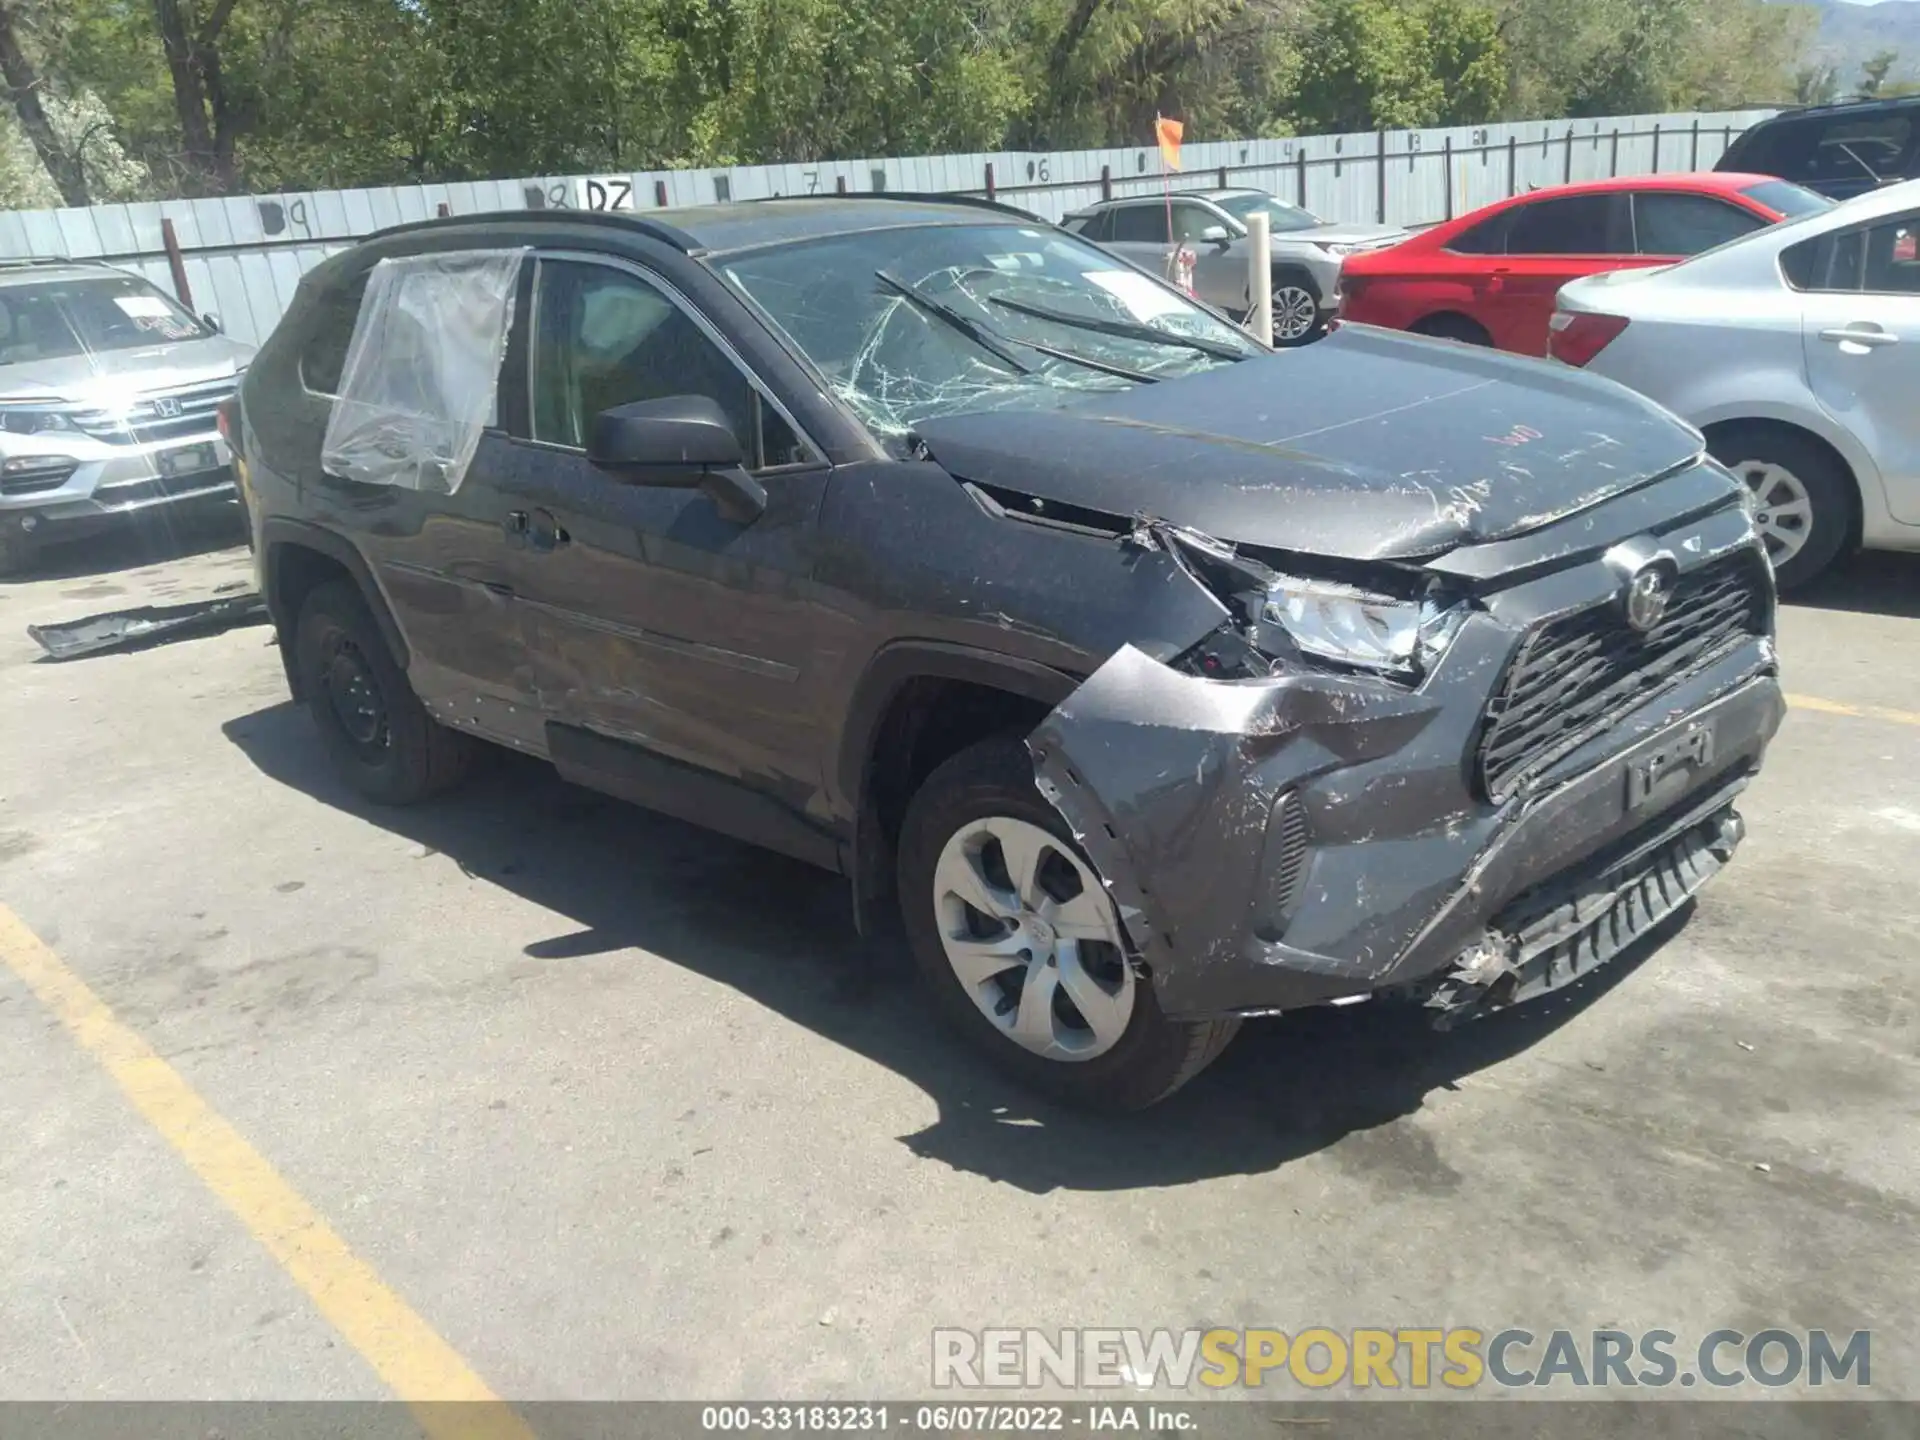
616, 219
921, 197
23, 261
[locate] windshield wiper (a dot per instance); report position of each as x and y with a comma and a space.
994, 341
1120, 329
940, 310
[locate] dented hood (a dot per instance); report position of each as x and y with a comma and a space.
1368, 445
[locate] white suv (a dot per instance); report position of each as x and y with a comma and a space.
108, 400
1796, 350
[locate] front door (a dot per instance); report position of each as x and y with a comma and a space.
655, 621
1861, 335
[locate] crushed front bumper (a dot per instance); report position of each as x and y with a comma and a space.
1274, 845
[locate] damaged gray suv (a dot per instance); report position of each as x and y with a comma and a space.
1154, 679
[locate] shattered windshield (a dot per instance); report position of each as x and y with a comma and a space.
1280, 215
911, 323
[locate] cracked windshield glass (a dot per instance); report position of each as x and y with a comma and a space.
912, 323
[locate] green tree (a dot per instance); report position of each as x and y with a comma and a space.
1368, 64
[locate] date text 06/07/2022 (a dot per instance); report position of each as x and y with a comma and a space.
857, 1418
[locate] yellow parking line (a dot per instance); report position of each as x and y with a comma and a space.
1859, 712
419, 1366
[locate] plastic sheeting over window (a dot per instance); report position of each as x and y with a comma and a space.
422, 368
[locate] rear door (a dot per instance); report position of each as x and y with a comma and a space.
652, 619
443, 561
1140, 234
1550, 242
1861, 333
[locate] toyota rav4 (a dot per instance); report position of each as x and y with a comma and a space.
1156, 679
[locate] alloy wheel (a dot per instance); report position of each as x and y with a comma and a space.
1782, 508
1033, 939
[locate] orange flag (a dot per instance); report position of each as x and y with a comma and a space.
1168, 132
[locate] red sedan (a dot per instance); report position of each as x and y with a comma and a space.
1490, 278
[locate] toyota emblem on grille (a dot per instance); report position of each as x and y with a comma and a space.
1646, 598
1647, 572
166, 407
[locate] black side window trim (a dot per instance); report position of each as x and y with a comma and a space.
763, 395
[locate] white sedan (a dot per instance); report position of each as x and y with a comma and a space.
1796, 351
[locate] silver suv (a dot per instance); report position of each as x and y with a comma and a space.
1307, 251
108, 400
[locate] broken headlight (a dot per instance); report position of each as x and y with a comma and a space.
1326, 620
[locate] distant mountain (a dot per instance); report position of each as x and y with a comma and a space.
1850, 34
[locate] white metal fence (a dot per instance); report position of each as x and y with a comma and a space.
242, 257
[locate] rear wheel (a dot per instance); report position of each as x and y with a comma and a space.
1802, 497
1021, 948
380, 736
16, 551
1454, 327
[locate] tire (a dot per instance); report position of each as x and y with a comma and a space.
1454, 327
1137, 1056
1806, 502
16, 553
391, 751
1294, 294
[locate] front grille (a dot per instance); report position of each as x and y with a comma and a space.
143, 423
1573, 675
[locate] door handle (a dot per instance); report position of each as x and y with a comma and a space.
515, 524
1848, 335
545, 533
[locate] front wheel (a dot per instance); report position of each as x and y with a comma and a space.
1021, 948
1296, 312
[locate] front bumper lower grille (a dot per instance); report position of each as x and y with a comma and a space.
1573, 675
1545, 941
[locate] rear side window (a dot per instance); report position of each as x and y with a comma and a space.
1571, 225
1869, 148
1881, 259
1489, 237
1678, 224
1140, 223
1096, 227
326, 348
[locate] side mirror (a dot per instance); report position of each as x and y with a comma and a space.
683, 442
1217, 234
211, 321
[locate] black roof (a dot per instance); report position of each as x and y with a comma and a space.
743, 225
1856, 104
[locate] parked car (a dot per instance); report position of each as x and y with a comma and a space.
1307, 251
1797, 352
1151, 678
107, 397
1489, 278
1840, 150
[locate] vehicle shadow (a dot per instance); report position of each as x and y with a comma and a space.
1874, 582
781, 933
132, 547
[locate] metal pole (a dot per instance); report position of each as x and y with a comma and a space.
1613, 160
990, 194
1260, 274
1223, 177
1300, 185
176, 262
1513, 164
1446, 163
1656, 147
1566, 170
1381, 160
839, 184
1695, 163
1106, 182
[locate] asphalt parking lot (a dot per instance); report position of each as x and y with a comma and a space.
585, 1103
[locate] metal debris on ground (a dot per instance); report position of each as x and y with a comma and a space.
148, 625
